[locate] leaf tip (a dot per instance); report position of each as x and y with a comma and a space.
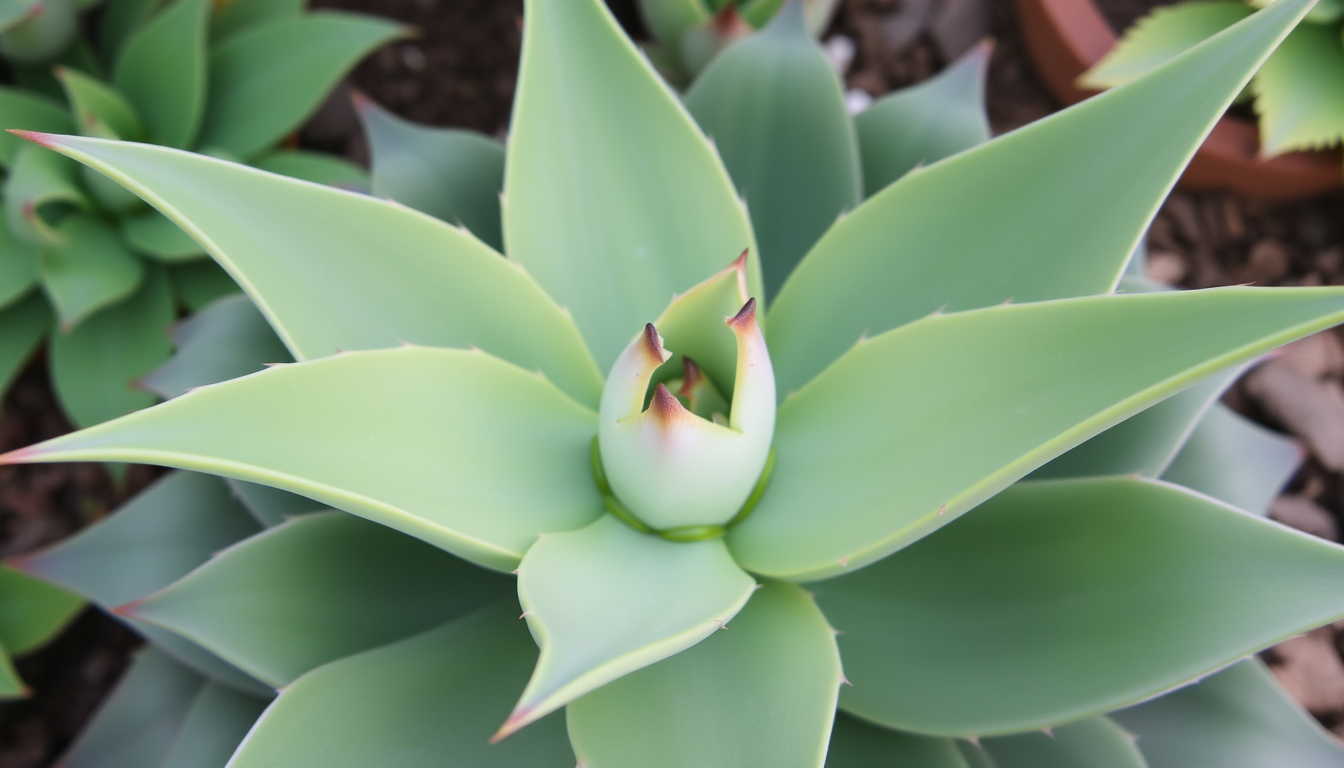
520, 717
47, 140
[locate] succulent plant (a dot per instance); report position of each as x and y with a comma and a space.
90, 267
1298, 92
945, 459
688, 34
32, 612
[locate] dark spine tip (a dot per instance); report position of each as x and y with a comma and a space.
741, 261
664, 404
652, 346
745, 315
691, 376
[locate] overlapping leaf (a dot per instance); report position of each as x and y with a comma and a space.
223, 341
1235, 460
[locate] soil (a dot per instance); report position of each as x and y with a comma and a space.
460, 71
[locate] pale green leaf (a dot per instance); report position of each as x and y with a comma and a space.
668, 20
316, 167
161, 69
32, 611
99, 110
95, 366
225, 340
316, 589
926, 122
1096, 742
613, 198
280, 237
198, 283
607, 600
18, 266
432, 698
776, 112
138, 722
266, 80
1053, 217
25, 323
88, 269
270, 506
1161, 36
1100, 592
198, 659
1235, 460
39, 179
1147, 442
859, 744
451, 174
458, 448
217, 721
1237, 718
28, 111
155, 235
1299, 92
233, 16
761, 694
158, 537
912, 428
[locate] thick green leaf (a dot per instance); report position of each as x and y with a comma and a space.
613, 198
28, 111
858, 744
18, 266
1147, 442
161, 69
156, 236
227, 339
607, 600
668, 20
198, 659
316, 167
95, 366
157, 538
99, 110
1101, 593
1238, 718
198, 283
142, 717
432, 698
266, 80
32, 611
926, 122
1235, 460
316, 589
88, 270
11, 685
450, 174
1096, 742
271, 506
37, 180
458, 448
1299, 92
233, 16
1161, 36
1053, 217
280, 237
776, 112
13, 12
760, 694
25, 323
217, 721
912, 428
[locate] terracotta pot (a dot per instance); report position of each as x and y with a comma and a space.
1067, 37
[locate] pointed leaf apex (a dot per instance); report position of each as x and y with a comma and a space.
37, 137
129, 609
745, 319
691, 377
665, 409
652, 345
520, 717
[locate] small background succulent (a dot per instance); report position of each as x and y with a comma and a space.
982, 497
1298, 93
84, 264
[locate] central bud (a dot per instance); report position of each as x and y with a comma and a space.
669, 467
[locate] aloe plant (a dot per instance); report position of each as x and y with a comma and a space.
88, 266
1298, 92
942, 457
688, 34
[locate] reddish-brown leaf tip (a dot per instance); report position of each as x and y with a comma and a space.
691, 376
745, 317
517, 720
20, 456
665, 408
128, 609
652, 345
37, 137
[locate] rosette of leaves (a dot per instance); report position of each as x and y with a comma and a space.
1298, 92
688, 34
88, 266
947, 456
